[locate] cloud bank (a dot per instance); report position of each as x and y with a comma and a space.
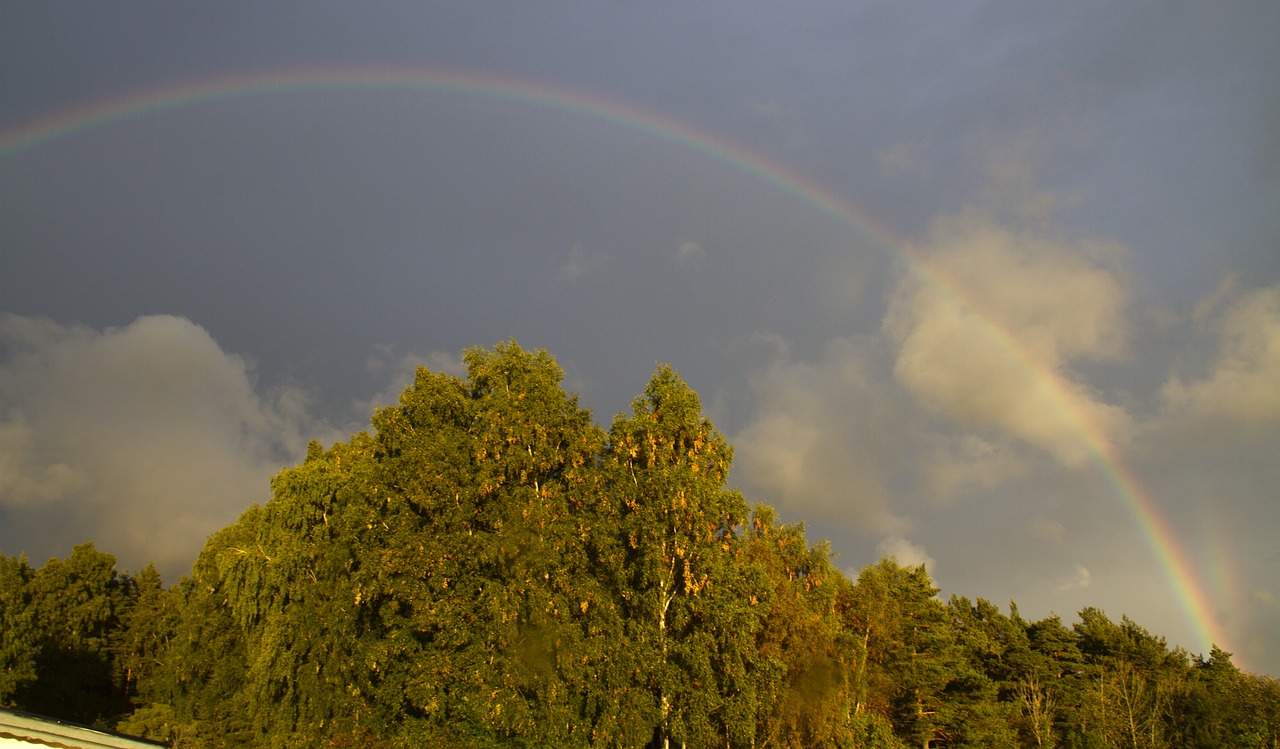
143, 439
1242, 389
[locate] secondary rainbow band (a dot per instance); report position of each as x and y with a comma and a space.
1156, 530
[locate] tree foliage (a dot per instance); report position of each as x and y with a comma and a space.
487, 567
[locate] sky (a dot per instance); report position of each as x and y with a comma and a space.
989, 286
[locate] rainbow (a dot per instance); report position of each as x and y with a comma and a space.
1145, 511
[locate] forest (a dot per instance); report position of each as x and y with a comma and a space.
488, 567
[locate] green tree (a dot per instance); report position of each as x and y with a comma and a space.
1134, 683
487, 493
76, 605
675, 520
488, 568
803, 657
1225, 707
145, 632
978, 709
907, 650
19, 644
201, 694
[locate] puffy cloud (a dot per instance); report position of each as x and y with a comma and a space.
1243, 386
825, 441
577, 264
1083, 579
985, 332
143, 439
907, 553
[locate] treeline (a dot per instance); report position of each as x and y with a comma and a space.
489, 568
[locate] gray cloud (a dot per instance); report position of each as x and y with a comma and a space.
577, 264
395, 370
824, 442
144, 438
1242, 389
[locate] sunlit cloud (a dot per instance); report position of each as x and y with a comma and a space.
1242, 388
824, 442
144, 438
1083, 579
987, 340
907, 553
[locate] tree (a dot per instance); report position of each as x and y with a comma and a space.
1134, 682
907, 650
674, 520
201, 693
486, 492
19, 645
802, 658
977, 708
486, 567
76, 605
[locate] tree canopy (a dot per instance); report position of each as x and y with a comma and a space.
488, 567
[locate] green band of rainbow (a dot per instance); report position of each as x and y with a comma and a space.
1156, 530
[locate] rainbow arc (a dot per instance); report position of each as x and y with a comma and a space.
1157, 532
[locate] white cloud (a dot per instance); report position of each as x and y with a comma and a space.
825, 441
986, 333
908, 554
1083, 579
1243, 386
143, 439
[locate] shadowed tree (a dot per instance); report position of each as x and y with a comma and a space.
803, 658
19, 643
77, 604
